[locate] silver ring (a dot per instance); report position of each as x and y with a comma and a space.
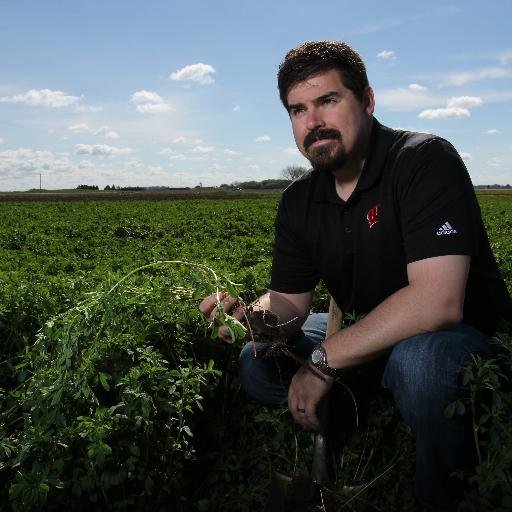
302, 411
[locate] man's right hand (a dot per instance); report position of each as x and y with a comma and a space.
274, 313
230, 305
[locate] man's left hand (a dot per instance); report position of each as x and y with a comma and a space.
307, 388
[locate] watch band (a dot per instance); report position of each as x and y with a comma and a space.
318, 359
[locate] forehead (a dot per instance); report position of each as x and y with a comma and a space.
315, 86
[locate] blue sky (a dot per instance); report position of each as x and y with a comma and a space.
180, 93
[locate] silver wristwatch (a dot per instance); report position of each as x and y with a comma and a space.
318, 359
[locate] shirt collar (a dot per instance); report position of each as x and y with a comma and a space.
380, 141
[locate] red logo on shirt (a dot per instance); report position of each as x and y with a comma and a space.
373, 215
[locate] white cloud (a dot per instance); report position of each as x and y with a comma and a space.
153, 108
180, 140
182, 157
262, 138
254, 167
482, 74
505, 57
386, 55
464, 102
230, 152
203, 149
79, 128
495, 161
101, 150
2, 140
498, 96
85, 164
466, 156
166, 151
17, 163
455, 107
103, 130
200, 73
493, 131
87, 108
144, 96
149, 102
401, 99
417, 87
291, 151
42, 98
443, 113
236, 108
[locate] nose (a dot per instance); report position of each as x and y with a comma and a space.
314, 119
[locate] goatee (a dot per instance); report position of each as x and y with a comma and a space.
325, 158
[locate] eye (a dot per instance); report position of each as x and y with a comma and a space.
297, 111
329, 100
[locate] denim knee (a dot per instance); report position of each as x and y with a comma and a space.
267, 378
264, 378
423, 371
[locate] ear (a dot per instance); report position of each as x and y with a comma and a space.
368, 100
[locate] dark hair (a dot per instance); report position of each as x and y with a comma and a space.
315, 57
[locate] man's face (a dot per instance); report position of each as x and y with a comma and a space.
330, 124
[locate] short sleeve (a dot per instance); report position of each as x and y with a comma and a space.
438, 207
292, 267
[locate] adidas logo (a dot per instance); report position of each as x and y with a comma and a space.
446, 229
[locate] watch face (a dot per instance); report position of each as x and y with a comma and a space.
316, 356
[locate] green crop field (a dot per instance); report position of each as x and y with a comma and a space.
114, 396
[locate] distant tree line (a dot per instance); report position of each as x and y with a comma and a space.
87, 187
129, 189
253, 184
288, 174
492, 186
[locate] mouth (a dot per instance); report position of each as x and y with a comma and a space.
321, 137
321, 142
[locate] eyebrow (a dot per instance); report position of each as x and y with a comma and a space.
325, 96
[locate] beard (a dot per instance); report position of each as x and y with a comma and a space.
328, 157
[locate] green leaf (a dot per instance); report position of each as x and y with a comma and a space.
103, 377
450, 410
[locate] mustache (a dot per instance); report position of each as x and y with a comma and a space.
321, 133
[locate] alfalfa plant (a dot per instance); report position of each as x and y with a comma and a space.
106, 417
490, 406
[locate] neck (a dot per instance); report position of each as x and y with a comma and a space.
346, 177
346, 184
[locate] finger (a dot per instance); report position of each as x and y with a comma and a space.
312, 418
207, 305
239, 311
226, 302
297, 410
225, 334
304, 419
302, 410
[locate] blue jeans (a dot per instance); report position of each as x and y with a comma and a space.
422, 373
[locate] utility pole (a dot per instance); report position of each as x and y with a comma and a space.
39, 181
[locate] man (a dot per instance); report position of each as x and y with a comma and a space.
389, 221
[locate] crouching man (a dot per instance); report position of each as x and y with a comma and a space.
389, 220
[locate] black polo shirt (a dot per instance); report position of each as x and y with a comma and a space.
414, 200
